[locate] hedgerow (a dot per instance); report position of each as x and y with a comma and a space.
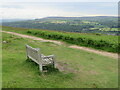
102, 43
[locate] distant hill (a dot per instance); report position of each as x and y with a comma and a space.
12, 20
98, 24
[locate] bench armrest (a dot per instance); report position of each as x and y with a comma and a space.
50, 56
47, 59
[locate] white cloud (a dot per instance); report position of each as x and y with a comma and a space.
40, 10
33, 12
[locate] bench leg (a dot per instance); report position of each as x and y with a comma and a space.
40, 68
28, 58
54, 64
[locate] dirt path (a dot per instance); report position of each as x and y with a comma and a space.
34, 38
112, 55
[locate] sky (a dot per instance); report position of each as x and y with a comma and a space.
15, 9
59, 0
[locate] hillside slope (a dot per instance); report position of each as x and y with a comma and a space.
112, 55
80, 69
98, 41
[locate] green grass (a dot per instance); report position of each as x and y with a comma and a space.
98, 41
90, 70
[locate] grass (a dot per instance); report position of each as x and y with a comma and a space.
90, 70
98, 41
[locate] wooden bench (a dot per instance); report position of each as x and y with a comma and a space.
35, 55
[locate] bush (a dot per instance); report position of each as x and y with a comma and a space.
84, 41
29, 32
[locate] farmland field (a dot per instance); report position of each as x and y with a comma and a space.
101, 24
85, 69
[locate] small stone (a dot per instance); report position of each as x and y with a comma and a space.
4, 41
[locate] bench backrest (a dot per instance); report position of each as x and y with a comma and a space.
33, 53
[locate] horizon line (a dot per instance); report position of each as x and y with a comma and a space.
66, 16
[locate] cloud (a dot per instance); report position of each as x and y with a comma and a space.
33, 11
40, 10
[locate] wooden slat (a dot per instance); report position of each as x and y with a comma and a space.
34, 54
